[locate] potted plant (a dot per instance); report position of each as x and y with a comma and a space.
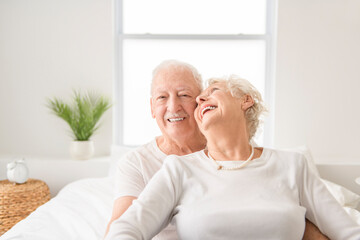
82, 115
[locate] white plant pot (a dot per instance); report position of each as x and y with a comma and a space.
81, 150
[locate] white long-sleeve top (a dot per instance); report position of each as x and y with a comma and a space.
268, 199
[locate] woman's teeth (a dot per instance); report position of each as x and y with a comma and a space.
208, 108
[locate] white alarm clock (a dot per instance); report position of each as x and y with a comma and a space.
17, 171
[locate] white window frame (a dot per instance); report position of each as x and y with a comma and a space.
270, 40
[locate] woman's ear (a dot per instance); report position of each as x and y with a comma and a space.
247, 102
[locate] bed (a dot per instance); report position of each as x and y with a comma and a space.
82, 209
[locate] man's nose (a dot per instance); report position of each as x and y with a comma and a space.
174, 104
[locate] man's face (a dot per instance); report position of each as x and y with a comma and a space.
173, 103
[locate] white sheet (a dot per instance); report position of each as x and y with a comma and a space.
81, 210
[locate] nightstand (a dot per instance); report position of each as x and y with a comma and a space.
17, 201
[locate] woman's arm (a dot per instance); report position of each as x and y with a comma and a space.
323, 210
153, 210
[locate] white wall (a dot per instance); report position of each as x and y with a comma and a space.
318, 77
48, 48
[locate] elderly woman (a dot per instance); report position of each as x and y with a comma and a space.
233, 190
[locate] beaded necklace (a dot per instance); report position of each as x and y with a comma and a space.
221, 167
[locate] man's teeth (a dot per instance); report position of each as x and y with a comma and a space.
175, 119
207, 108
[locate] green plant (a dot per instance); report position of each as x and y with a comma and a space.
83, 114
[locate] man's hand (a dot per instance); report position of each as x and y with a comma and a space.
313, 233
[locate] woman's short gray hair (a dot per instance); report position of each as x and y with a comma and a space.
239, 87
178, 65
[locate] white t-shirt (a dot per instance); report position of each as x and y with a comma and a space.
267, 199
134, 171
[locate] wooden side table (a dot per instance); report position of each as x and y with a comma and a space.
17, 201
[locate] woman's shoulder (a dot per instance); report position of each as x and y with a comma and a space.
287, 157
302, 159
283, 153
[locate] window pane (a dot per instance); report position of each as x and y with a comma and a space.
194, 17
212, 58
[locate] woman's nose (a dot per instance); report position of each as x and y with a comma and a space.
201, 98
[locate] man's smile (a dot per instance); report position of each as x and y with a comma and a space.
176, 119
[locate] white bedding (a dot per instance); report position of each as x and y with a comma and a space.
81, 210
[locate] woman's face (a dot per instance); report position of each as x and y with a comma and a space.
217, 105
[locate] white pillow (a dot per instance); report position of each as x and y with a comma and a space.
344, 196
117, 152
354, 214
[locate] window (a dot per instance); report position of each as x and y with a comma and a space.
218, 37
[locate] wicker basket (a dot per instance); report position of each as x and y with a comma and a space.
17, 201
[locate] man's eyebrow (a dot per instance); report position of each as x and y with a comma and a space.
159, 90
184, 89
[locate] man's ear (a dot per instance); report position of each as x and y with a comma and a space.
152, 110
247, 102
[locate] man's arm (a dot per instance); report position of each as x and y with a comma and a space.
120, 206
312, 232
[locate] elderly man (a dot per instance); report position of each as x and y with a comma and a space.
174, 87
